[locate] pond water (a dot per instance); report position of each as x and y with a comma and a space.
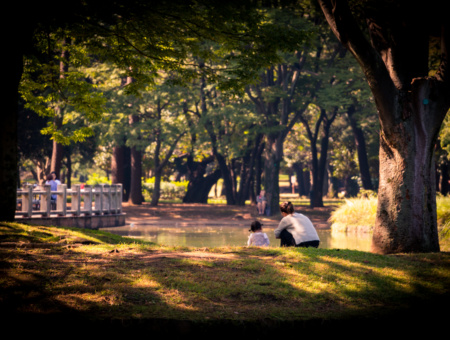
229, 235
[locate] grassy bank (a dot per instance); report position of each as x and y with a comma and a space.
105, 279
358, 215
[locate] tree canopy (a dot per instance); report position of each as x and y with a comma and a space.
211, 89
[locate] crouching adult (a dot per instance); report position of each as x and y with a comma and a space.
295, 230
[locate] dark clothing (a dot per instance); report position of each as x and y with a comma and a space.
307, 244
287, 240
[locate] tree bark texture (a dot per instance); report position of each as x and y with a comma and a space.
8, 140
121, 169
200, 183
319, 165
303, 179
136, 170
444, 178
19, 39
248, 170
273, 155
117, 161
230, 192
411, 107
136, 177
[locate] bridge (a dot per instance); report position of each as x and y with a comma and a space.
81, 206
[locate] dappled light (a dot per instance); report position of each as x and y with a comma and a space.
147, 283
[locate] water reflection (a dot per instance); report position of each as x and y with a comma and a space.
236, 235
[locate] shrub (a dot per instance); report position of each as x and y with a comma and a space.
359, 213
355, 214
169, 190
443, 209
97, 179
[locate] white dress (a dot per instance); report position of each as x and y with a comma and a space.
258, 239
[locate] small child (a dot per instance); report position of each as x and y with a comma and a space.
257, 237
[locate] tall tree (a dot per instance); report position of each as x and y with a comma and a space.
161, 33
412, 101
273, 99
319, 158
163, 128
360, 142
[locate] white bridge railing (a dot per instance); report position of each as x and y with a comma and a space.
101, 199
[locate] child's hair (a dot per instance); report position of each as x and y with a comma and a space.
287, 207
255, 226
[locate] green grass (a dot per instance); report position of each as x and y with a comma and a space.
443, 209
356, 212
358, 215
105, 277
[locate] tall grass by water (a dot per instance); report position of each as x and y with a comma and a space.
358, 215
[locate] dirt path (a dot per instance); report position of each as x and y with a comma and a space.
195, 213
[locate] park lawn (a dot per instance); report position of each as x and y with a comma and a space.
100, 276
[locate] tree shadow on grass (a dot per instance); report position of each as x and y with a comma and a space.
250, 291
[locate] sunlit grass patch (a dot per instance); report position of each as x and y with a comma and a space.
355, 213
139, 280
358, 214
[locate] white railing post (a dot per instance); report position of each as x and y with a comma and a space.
87, 196
61, 199
75, 202
46, 200
27, 200
98, 199
102, 199
115, 197
106, 199
119, 198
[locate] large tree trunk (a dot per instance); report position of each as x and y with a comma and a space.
121, 169
444, 180
117, 161
315, 196
230, 193
8, 140
248, 171
19, 39
273, 156
411, 107
227, 179
136, 177
302, 179
57, 156
136, 170
200, 184
319, 165
57, 152
157, 188
406, 216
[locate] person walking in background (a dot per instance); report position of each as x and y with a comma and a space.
261, 202
257, 237
55, 178
295, 230
53, 187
